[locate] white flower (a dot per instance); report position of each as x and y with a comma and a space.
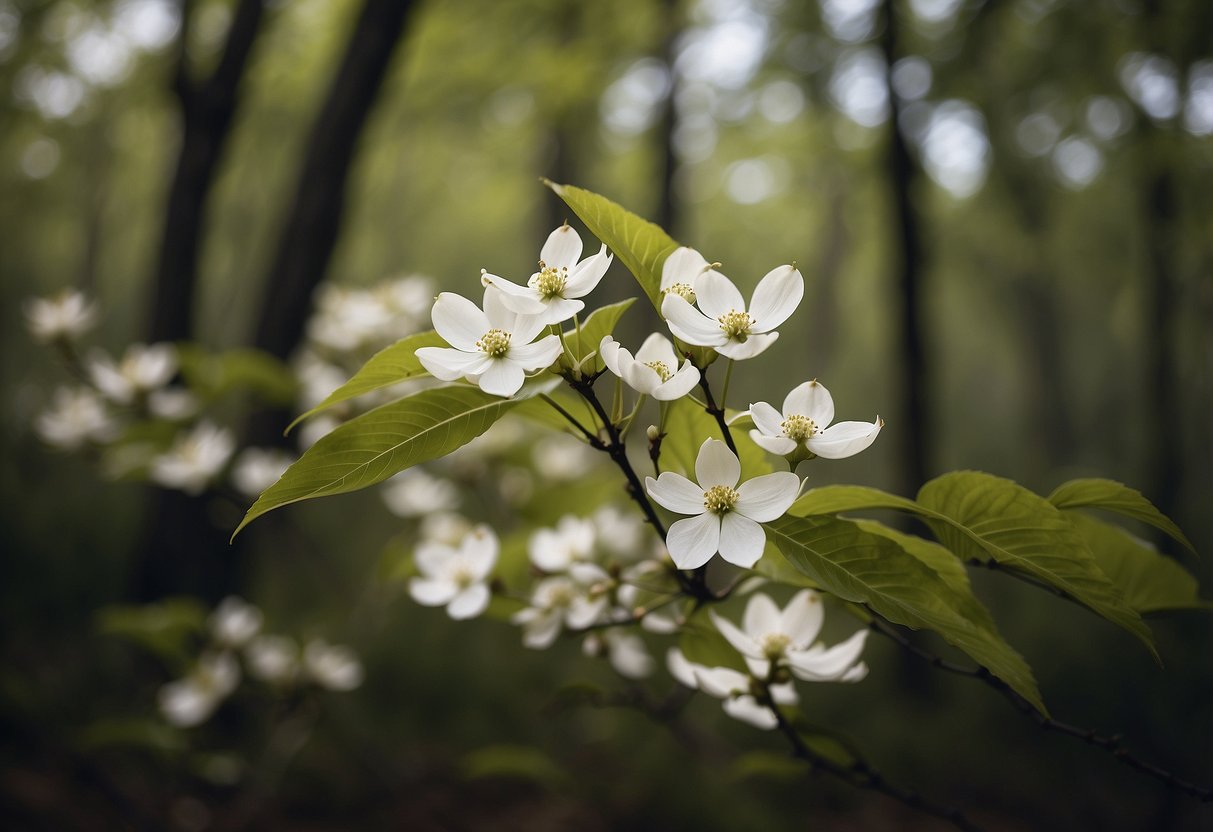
188, 702
786, 637
734, 687
681, 271
727, 516
575, 600
331, 665
447, 527
317, 378
619, 532
347, 318
722, 322
807, 410
234, 622
144, 368
76, 416
173, 403
654, 371
562, 458
415, 493
456, 578
66, 316
273, 659
555, 550
491, 348
194, 459
625, 651
643, 583
552, 292
256, 469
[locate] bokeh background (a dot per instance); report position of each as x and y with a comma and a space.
1004, 213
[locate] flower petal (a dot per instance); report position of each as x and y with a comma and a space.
721, 682
750, 347
432, 558
766, 498
716, 465
801, 618
844, 439
716, 295
742, 642
562, 248
761, 616
641, 378
585, 277
746, 709
480, 548
502, 378
522, 300
741, 540
459, 321
689, 324
776, 298
766, 418
469, 603
448, 364
559, 310
693, 541
810, 399
681, 668
676, 492
536, 356
685, 265
657, 348
432, 593
679, 384
541, 631
611, 353
819, 665
779, 445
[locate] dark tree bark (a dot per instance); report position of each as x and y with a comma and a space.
207, 110
309, 234
667, 199
907, 252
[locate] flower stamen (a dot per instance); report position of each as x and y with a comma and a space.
720, 499
683, 290
736, 325
661, 369
494, 343
549, 282
798, 428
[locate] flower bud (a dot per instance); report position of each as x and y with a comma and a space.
653, 433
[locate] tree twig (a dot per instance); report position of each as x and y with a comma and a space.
716, 411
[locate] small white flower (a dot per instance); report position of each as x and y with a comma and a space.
256, 469
654, 371
456, 578
194, 459
625, 651
188, 702
144, 368
173, 403
807, 411
620, 533
317, 378
647, 582
734, 687
722, 321
346, 319
65, 316
555, 550
681, 271
273, 659
234, 622
786, 638
332, 666
562, 458
575, 600
447, 527
553, 292
726, 516
415, 493
76, 416
492, 348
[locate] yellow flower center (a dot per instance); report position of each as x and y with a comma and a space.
463, 577
683, 290
495, 343
736, 324
774, 645
798, 428
720, 499
560, 597
661, 369
550, 282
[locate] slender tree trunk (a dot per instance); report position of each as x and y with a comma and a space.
667, 198
915, 432
207, 110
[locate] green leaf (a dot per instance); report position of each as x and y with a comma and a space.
860, 566
766, 765
687, 425
212, 375
1110, 495
1150, 581
641, 245
166, 628
382, 442
835, 499
1021, 531
597, 326
389, 366
515, 761
703, 644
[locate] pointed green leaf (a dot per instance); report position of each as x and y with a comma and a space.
1021, 531
687, 425
702, 644
860, 566
835, 499
389, 366
1110, 495
598, 325
1149, 581
372, 447
212, 375
642, 246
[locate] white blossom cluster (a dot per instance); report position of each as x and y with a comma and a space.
235, 639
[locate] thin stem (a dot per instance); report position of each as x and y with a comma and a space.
861, 775
716, 412
724, 392
1111, 745
590, 437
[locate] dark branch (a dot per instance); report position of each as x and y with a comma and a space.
716, 411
